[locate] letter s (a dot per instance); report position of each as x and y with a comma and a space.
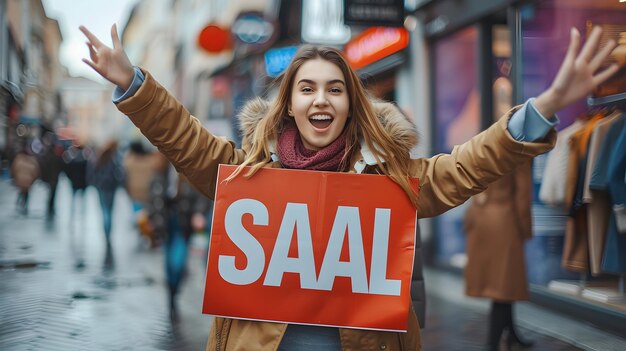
244, 241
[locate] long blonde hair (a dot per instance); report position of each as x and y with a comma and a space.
363, 123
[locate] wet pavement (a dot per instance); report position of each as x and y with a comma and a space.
457, 322
61, 290
451, 327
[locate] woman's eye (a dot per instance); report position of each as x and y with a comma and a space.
306, 90
335, 90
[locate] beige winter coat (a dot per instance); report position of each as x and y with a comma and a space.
497, 224
445, 181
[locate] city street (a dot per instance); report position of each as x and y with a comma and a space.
60, 290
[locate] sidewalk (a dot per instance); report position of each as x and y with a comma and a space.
57, 295
451, 313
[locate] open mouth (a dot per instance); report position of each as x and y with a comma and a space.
321, 121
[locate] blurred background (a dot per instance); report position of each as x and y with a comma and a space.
88, 259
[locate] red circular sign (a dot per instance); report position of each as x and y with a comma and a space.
214, 39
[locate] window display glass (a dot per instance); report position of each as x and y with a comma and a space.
457, 119
577, 248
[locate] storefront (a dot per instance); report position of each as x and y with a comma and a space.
242, 78
469, 45
487, 56
376, 54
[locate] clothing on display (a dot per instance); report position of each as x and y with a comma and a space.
552, 191
593, 196
576, 248
614, 258
597, 200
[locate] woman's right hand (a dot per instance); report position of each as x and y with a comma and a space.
110, 63
579, 74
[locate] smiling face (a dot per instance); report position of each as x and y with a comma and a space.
319, 103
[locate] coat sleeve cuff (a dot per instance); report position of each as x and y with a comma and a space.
141, 99
528, 125
511, 143
120, 95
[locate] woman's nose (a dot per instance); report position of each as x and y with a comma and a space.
320, 99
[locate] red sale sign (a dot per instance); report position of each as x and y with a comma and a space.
321, 248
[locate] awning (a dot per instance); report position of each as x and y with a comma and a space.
14, 90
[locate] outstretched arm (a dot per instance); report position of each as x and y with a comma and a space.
111, 63
193, 150
577, 76
447, 181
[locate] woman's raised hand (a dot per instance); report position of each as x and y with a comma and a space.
577, 76
110, 63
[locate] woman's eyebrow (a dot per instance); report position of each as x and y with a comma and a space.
334, 81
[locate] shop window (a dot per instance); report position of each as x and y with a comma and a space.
457, 119
457, 100
569, 254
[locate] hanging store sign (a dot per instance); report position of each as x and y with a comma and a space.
276, 60
387, 13
374, 44
322, 255
443, 17
214, 39
252, 28
322, 22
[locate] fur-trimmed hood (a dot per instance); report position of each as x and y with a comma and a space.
395, 123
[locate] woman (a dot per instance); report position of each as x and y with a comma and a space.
497, 223
322, 119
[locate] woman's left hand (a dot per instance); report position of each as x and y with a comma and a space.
577, 76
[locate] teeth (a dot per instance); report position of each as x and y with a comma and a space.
321, 117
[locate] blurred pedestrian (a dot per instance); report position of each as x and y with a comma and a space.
106, 174
174, 210
141, 167
51, 164
74, 166
497, 223
188, 207
322, 119
24, 171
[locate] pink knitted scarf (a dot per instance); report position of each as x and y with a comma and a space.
293, 154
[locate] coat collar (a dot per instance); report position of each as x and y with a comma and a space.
393, 120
